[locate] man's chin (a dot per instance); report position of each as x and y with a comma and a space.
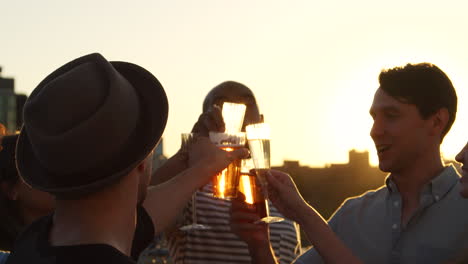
464, 186
385, 167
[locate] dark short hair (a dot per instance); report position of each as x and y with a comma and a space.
423, 85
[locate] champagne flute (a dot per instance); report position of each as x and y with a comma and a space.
225, 183
258, 136
250, 187
187, 139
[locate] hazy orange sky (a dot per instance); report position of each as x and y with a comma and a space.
313, 65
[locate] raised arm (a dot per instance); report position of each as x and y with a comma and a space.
286, 197
255, 235
165, 201
210, 120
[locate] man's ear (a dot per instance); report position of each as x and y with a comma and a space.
142, 166
146, 162
439, 121
10, 190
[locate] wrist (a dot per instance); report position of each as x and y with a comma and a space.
204, 166
304, 214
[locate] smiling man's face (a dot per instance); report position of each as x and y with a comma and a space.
399, 132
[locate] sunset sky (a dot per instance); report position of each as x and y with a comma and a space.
313, 65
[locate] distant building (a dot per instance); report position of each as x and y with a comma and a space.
20, 101
326, 188
7, 102
11, 104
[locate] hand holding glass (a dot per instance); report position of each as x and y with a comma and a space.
258, 136
250, 187
225, 184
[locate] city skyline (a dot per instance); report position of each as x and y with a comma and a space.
312, 66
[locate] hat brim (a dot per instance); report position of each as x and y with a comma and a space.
148, 132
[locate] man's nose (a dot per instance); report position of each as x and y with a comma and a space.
377, 129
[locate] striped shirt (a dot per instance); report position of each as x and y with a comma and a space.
219, 244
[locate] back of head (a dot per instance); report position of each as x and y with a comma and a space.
424, 85
234, 92
227, 90
88, 124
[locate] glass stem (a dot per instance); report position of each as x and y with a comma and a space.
267, 208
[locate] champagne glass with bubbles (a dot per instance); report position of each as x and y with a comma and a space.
258, 137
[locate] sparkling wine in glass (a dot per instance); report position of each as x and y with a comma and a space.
225, 183
258, 136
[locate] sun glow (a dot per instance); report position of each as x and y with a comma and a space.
245, 186
222, 179
222, 183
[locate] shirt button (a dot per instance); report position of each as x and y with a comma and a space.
394, 226
437, 197
395, 203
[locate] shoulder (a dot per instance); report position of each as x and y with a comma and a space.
34, 232
371, 196
144, 232
367, 200
30, 242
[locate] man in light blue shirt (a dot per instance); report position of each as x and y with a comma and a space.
418, 216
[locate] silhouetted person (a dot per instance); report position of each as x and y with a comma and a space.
418, 216
219, 244
20, 204
90, 128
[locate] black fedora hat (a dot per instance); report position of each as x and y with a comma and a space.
89, 123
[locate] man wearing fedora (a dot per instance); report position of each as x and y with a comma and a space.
90, 128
